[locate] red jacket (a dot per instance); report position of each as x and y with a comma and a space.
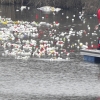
98, 15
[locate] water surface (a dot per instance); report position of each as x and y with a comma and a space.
49, 80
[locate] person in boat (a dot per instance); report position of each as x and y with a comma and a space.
98, 15
98, 43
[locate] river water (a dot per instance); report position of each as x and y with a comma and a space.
51, 80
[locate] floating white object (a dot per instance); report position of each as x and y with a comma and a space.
62, 13
84, 46
73, 15
72, 20
22, 8
17, 10
49, 9
67, 17
28, 8
94, 15
57, 9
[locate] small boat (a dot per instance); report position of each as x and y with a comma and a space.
90, 55
49, 9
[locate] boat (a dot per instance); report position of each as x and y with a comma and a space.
90, 55
49, 9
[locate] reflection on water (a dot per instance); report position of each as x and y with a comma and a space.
53, 80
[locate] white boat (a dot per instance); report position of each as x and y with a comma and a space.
90, 52
49, 9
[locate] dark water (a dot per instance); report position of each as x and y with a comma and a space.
48, 80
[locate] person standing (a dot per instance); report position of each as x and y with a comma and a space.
98, 15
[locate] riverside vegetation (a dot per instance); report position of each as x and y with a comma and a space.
90, 6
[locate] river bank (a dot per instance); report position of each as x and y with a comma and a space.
90, 6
